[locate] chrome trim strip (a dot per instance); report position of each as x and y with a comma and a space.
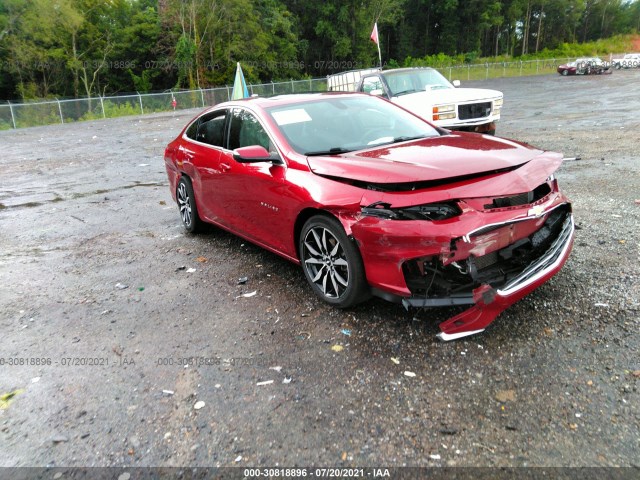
558, 250
467, 237
447, 337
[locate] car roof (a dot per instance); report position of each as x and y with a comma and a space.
287, 99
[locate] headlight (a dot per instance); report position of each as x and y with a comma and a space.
430, 211
497, 103
444, 112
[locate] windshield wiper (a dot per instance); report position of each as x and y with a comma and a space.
404, 92
407, 138
331, 151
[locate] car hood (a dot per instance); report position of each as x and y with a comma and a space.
457, 155
447, 95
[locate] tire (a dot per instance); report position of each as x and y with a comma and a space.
332, 263
565, 73
187, 206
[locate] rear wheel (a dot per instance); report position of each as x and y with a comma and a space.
565, 73
187, 206
332, 263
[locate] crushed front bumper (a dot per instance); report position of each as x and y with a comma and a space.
490, 302
388, 249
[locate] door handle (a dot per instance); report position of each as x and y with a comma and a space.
224, 167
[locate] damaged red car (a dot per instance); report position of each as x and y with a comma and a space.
372, 200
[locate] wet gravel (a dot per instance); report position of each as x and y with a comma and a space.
105, 299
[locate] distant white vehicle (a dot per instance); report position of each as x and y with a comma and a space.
425, 92
630, 60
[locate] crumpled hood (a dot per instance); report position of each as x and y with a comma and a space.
455, 155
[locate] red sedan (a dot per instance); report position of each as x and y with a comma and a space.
372, 200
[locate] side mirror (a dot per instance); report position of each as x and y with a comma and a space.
377, 92
252, 154
456, 83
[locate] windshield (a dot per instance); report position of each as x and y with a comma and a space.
337, 124
418, 80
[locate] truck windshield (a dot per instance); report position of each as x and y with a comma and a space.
331, 125
418, 80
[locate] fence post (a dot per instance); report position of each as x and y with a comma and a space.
292, 88
520, 67
468, 72
310, 86
537, 66
60, 110
487, 75
140, 98
449, 73
202, 97
13, 119
104, 115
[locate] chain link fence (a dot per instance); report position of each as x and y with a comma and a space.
31, 114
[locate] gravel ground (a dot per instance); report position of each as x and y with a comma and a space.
95, 265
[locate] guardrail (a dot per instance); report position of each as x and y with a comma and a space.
48, 112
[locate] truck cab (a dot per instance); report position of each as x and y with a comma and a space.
428, 94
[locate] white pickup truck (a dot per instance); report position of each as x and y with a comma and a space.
630, 60
425, 92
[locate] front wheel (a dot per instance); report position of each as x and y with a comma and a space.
565, 73
187, 205
331, 262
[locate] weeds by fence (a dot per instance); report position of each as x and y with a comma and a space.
30, 114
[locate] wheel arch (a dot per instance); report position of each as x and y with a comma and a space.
309, 212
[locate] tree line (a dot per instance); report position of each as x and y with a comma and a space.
75, 48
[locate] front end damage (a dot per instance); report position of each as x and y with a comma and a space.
485, 252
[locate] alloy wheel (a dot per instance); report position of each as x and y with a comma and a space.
184, 203
326, 263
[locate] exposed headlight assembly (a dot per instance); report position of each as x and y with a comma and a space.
431, 211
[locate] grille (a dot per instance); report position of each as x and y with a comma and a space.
474, 110
486, 260
520, 199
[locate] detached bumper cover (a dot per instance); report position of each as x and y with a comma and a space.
490, 302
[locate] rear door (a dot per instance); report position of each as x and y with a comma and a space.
206, 155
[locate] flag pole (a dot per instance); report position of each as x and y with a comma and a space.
376, 39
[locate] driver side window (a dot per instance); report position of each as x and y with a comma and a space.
246, 130
370, 84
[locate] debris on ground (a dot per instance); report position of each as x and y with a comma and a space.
247, 295
191, 270
407, 373
504, 396
346, 331
7, 398
168, 392
395, 360
202, 259
287, 380
243, 280
121, 286
337, 348
266, 382
198, 405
